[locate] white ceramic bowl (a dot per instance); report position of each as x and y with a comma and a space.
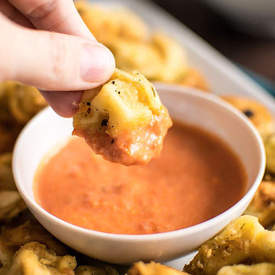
185, 104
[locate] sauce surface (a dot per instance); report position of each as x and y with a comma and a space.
196, 178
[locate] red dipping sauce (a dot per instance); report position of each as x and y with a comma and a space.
196, 178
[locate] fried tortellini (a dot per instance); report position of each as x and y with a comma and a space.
125, 121
6, 177
11, 205
193, 78
94, 270
257, 113
270, 153
35, 258
153, 268
106, 24
256, 269
20, 102
159, 59
243, 240
154, 54
263, 204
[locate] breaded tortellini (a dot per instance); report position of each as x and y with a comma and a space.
193, 78
4, 102
34, 258
94, 270
107, 24
159, 59
263, 204
152, 268
6, 177
124, 121
8, 135
11, 205
256, 269
14, 236
270, 153
255, 111
243, 240
24, 102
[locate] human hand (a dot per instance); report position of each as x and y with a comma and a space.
45, 43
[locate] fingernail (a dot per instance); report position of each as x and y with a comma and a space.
97, 63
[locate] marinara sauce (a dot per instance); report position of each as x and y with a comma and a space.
196, 178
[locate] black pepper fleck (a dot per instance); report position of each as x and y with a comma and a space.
248, 113
112, 141
118, 92
113, 82
88, 110
88, 103
104, 122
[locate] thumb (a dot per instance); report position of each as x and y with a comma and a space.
52, 61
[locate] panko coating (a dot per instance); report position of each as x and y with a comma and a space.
125, 121
106, 24
94, 270
160, 59
263, 204
270, 153
152, 268
173, 58
34, 258
4, 102
193, 78
6, 177
243, 240
14, 236
8, 135
136, 55
24, 102
11, 205
257, 113
256, 269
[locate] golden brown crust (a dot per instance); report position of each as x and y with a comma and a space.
256, 269
193, 78
125, 121
152, 268
257, 113
263, 204
242, 240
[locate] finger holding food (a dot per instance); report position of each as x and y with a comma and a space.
125, 121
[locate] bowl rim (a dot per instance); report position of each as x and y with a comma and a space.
32, 204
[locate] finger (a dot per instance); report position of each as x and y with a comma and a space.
54, 61
53, 15
13, 14
63, 103
59, 16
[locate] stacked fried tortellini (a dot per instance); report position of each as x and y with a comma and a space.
157, 56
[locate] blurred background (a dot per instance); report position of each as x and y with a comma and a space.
242, 30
